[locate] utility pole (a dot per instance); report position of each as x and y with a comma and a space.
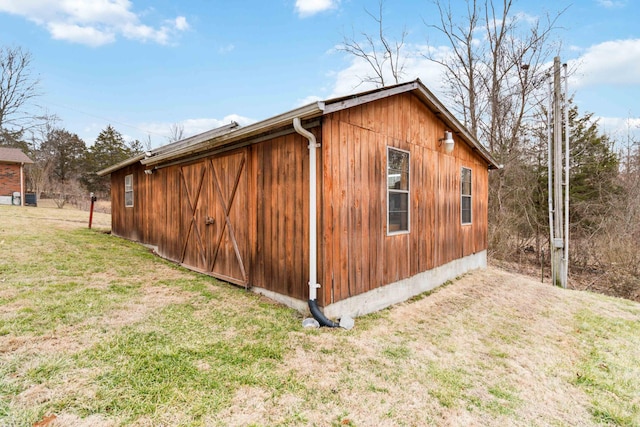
559, 220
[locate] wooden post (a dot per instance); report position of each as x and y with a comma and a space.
93, 199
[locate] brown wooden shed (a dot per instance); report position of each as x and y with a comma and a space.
398, 209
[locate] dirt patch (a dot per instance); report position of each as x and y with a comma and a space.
69, 420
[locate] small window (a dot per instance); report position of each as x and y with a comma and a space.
397, 191
465, 196
128, 191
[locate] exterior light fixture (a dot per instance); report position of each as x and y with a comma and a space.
148, 171
448, 142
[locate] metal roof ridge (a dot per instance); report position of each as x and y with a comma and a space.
195, 138
304, 112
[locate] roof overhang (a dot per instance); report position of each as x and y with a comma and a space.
120, 165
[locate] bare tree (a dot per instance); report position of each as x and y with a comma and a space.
384, 56
496, 68
17, 88
463, 67
176, 132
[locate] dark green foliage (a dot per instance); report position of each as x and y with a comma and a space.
594, 182
14, 139
109, 149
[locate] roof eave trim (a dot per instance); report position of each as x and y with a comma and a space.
120, 165
343, 104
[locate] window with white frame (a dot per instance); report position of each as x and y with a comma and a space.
397, 191
128, 191
465, 195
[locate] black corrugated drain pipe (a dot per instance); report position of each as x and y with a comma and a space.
319, 315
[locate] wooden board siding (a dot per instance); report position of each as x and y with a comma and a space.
280, 250
140, 222
257, 198
358, 254
242, 215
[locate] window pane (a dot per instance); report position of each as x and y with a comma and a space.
398, 180
466, 181
128, 183
398, 212
128, 198
397, 170
128, 191
466, 210
466, 188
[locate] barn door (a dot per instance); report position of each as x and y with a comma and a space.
194, 188
229, 225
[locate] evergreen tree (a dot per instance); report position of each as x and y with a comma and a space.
109, 149
594, 184
14, 139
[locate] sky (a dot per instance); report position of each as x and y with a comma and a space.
145, 65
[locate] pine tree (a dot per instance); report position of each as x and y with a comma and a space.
108, 149
594, 183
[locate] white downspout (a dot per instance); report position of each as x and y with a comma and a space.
313, 209
313, 226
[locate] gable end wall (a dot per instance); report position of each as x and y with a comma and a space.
358, 254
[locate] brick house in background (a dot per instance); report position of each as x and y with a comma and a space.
12, 161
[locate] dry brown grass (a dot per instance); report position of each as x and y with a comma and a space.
492, 348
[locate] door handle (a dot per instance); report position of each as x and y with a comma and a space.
209, 220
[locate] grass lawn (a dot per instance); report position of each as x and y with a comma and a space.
97, 331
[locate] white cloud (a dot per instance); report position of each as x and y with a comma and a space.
611, 3
619, 128
77, 34
308, 100
311, 7
350, 79
614, 62
92, 22
226, 48
181, 23
191, 126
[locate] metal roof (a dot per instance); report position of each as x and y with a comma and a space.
233, 133
172, 147
13, 155
236, 134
